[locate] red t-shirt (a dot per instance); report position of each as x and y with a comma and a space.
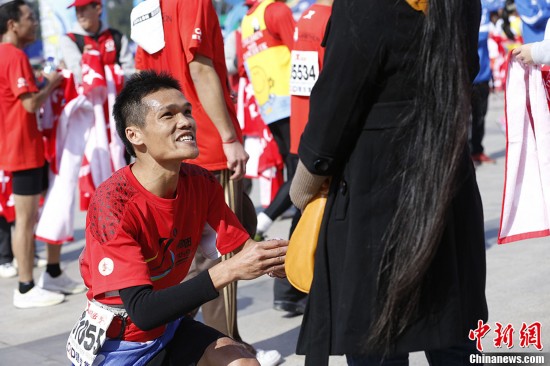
191, 27
134, 237
21, 144
310, 30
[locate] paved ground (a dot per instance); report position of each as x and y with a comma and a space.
518, 289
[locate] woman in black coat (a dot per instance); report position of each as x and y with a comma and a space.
400, 264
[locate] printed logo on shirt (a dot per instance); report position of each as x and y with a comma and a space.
110, 45
106, 266
309, 15
89, 74
197, 34
295, 36
22, 82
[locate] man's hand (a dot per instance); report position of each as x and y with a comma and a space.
236, 159
253, 260
211, 95
263, 257
32, 102
523, 54
54, 79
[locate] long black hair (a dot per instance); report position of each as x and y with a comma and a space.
436, 132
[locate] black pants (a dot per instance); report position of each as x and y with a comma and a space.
480, 102
187, 347
281, 133
6, 254
282, 289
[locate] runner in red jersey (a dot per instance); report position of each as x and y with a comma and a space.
307, 61
144, 225
22, 153
194, 55
192, 33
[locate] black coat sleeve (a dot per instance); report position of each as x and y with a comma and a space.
340, 98
149, 309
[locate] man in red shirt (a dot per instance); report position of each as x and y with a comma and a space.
307, 61
22, 153
144, 225
194, 55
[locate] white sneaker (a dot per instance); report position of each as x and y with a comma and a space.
61, 283
7, 270
38, 262
268, 358
36, 297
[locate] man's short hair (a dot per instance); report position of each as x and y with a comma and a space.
129, 110
10, 11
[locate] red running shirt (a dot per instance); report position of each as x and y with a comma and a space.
134, 237
191, 27
21, 145
309, 33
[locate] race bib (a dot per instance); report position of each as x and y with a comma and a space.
304, 72
88, 335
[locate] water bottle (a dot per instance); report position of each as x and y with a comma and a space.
50, 65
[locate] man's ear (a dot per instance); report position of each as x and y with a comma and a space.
11, 24
99, 9
134, 135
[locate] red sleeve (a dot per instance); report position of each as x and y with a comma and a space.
195, 26
114, 257
280, 22
21, 76
140, 59
230, 232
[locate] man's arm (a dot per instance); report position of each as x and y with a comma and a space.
149, 309
72, 57
280, 22
210, 93
33, 101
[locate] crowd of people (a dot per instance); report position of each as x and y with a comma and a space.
359, 94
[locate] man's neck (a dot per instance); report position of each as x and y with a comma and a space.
93, 31
12, 38
97, 29
159, 180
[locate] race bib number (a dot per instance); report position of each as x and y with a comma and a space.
88, 335
304, 72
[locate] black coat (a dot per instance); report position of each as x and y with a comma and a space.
356, 105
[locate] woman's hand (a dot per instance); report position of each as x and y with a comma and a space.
305, 186
523, 54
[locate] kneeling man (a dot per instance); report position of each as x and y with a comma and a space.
144, 225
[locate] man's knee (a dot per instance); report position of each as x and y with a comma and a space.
26, 208
226, 351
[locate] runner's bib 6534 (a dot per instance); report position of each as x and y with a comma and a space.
304, 72
88, 335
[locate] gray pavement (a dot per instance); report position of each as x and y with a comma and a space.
518, 289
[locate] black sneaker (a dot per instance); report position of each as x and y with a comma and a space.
291, 307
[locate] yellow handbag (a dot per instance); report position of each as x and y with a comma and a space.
300, 256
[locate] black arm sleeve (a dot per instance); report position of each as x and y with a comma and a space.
149, 309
